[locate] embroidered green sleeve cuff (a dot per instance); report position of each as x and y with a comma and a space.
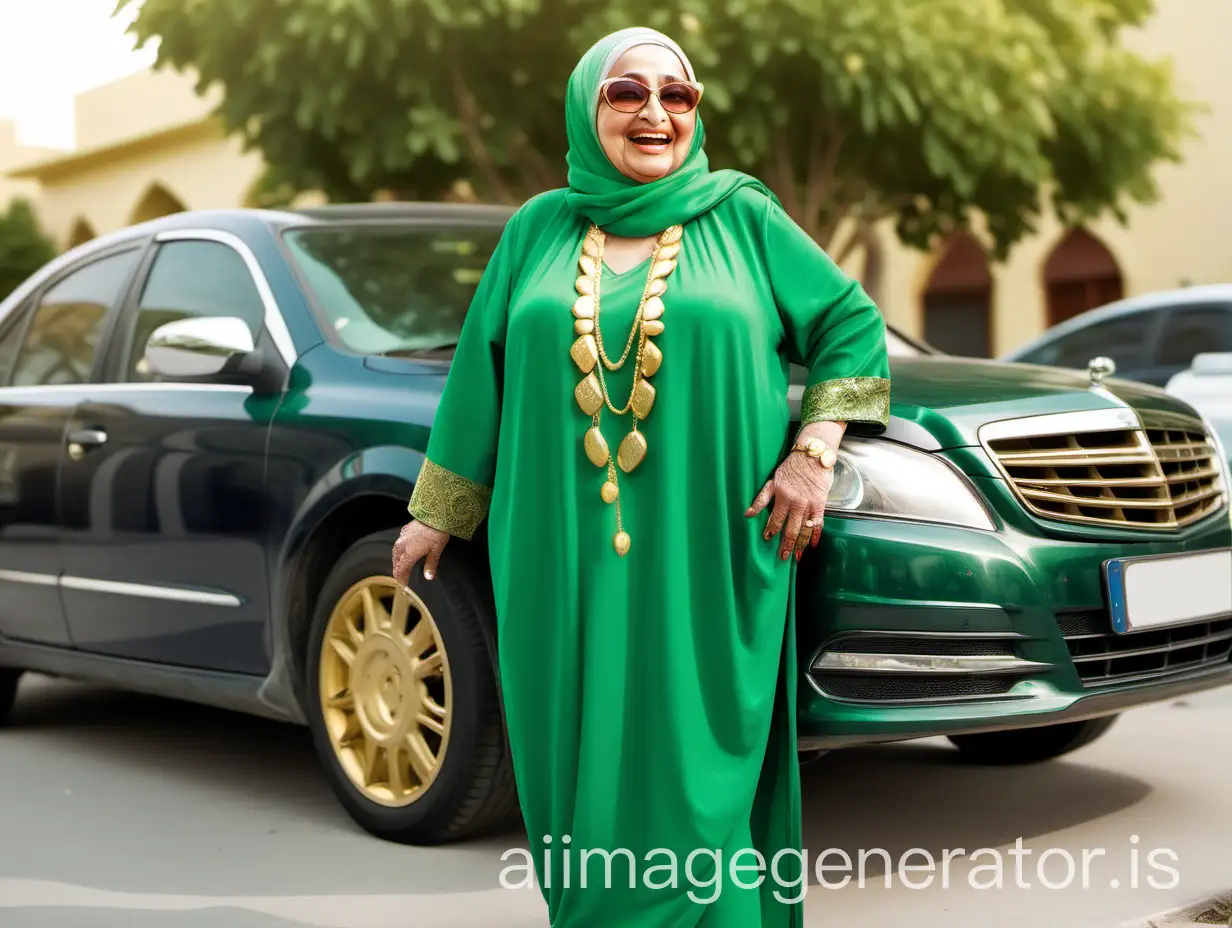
449, 502
850, 399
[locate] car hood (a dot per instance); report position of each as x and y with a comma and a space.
942, 402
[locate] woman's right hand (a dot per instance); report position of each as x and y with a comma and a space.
416, 541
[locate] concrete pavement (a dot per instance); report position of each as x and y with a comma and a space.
123, 811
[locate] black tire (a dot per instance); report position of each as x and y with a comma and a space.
473, 793
1031, 745
8, 691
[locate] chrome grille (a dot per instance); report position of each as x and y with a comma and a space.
1153, 478
1104, 658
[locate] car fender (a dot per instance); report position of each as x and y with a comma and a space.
386, 471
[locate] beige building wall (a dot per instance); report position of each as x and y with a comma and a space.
193, 168
11, 155
147, 146
1184, 238
136, 106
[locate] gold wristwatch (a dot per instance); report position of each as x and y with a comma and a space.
818, 450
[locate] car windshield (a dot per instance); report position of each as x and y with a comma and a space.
405, 290
393, 290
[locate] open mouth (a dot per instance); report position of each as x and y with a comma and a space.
652, 143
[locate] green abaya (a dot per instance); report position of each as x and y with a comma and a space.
649, 698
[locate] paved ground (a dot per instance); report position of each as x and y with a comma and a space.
128, 812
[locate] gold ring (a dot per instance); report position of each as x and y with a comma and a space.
810, 524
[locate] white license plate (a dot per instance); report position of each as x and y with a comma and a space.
1171, 589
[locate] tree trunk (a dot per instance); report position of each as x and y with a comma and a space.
468, 113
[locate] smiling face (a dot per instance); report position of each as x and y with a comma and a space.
652, 143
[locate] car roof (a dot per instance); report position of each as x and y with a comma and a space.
248, 220
365, 212
1180, 296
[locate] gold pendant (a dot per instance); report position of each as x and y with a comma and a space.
643, 399
588, 395
585, 286
584, 307
632, 451
653, 308
609, 492
653, 327
585, 353
668, 252
621, 543
652, 358
596, 447
584, 326
662, 268
671, 236
588, 265
658, 287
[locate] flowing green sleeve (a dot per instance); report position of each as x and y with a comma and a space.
833, 328
454, 487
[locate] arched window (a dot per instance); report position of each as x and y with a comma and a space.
157, 201
81, 233
1080, 274
958, 300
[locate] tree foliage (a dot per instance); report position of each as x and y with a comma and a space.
928, 112
24, 248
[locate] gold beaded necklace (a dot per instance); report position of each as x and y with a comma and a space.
588, 351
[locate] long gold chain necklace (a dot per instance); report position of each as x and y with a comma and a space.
588, 351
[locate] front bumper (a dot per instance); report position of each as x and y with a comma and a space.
1030, 608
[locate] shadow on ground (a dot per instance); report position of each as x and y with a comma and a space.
921, 795
181, 741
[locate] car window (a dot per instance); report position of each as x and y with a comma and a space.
393, 289
191, 279
63, 336
1191, 330
1122, 339
10, 341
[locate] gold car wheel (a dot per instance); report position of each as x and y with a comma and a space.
385, 691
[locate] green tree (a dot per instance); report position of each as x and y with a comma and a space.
23, 246
927, 112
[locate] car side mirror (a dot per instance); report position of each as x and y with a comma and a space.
198, 347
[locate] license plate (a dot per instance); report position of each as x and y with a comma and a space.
1158, 591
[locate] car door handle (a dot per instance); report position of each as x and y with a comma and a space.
83, 439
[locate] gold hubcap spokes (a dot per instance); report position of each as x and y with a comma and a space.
385, 691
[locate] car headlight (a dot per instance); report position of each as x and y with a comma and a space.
880, 478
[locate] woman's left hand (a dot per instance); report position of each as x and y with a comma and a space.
800, 487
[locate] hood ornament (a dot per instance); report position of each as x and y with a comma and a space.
1099, 368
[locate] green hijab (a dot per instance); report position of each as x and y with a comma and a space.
616, 203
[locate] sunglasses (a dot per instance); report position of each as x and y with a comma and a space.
626, 95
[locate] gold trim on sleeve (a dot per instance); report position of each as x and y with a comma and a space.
849, 399
449, 502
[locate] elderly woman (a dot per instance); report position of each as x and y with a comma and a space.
624, 463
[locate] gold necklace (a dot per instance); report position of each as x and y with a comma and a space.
588, 350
